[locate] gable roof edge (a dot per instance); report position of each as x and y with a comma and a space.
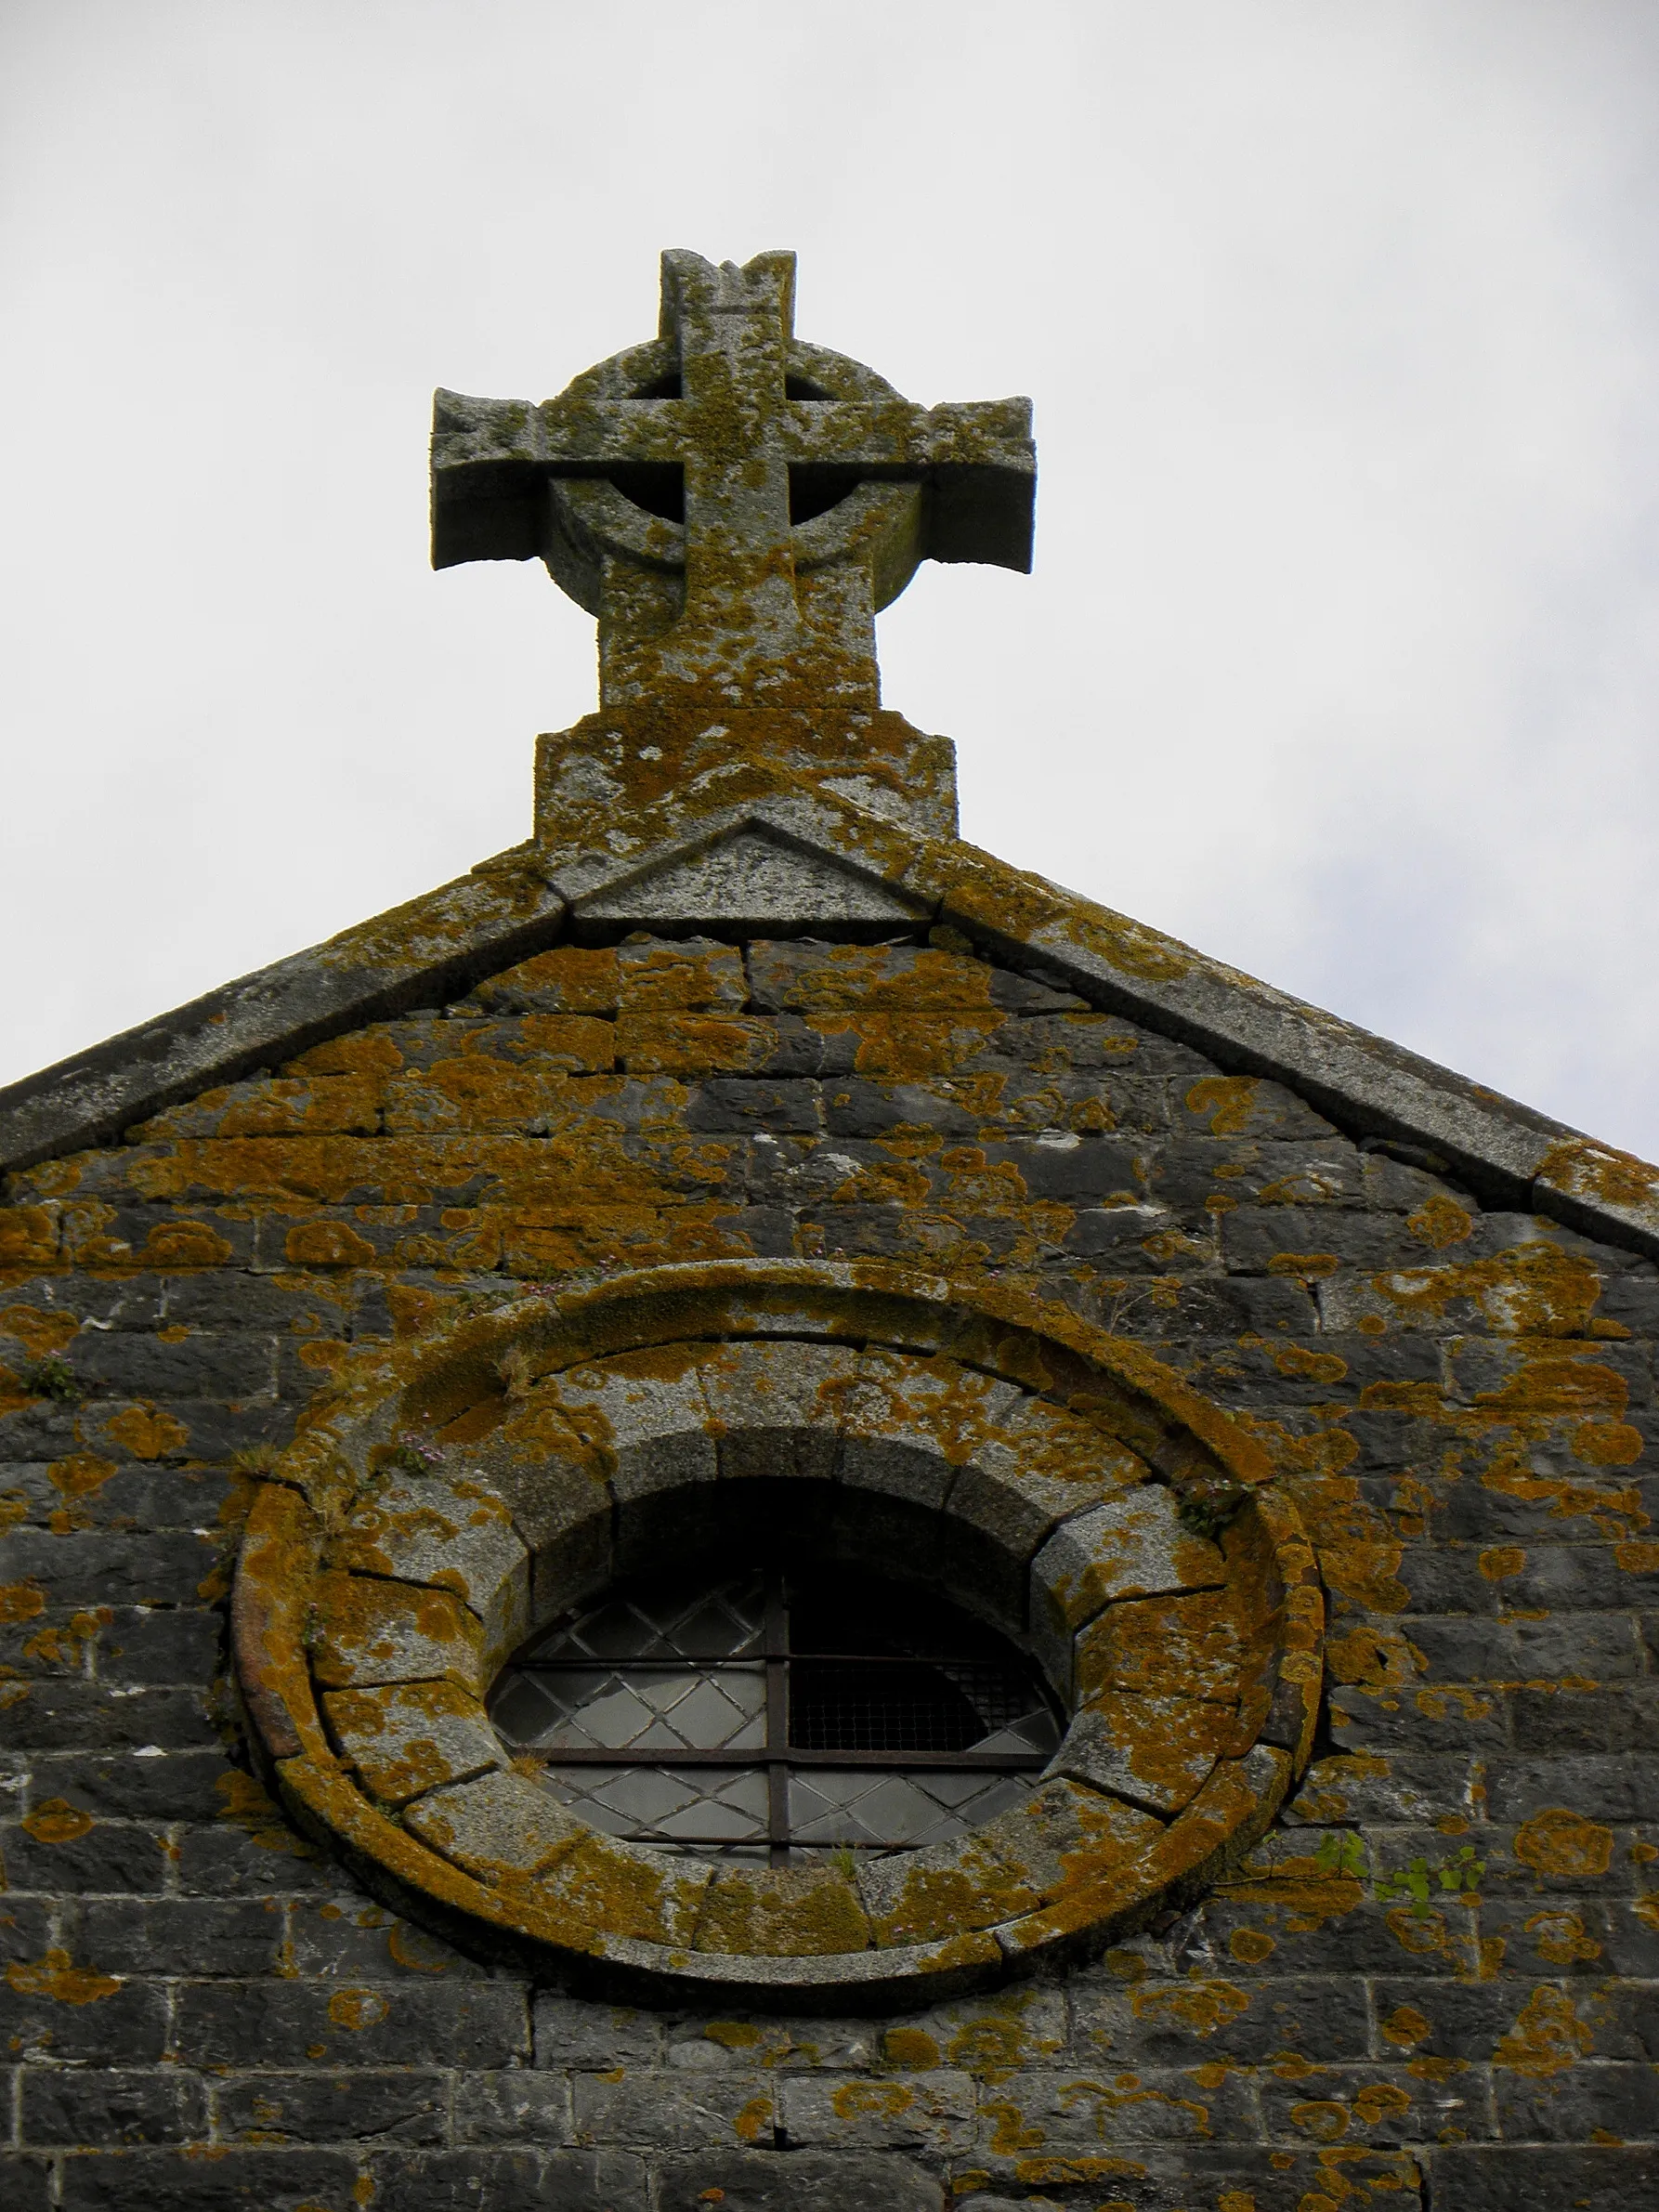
428, 949
1496, 1142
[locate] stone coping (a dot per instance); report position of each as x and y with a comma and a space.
522, 902
1042, 1473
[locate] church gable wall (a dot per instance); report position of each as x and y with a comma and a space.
1446, 1949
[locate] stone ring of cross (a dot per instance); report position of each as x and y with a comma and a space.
735, 505
509, 1486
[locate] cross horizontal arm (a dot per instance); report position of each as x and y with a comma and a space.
977, 458
489, 456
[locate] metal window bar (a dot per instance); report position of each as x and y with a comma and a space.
778, 1754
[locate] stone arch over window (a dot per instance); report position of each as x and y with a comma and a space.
459, 1497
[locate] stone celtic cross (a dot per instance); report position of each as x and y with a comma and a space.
734, 506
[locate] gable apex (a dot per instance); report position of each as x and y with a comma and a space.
751, 877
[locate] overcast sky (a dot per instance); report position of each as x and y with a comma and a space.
1341, 658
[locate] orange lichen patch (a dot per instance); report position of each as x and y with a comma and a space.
55, 1976
1228, 1100
1502, 1563
693, 1045
909, 2049
246, 1806
1200, 2006
907, 1047
1308, 1267
789, 1912
974, 1888
1315, 1367
475, 1092
1326, 2121
1548, 2037
996, 2042
39, 1333
1565, 1845
1561, 1939
20, 1601
1374, 1660
1251, 1945
67, 1647
1548, 1381
569, 980
1637, 1558
1359, 1555
147, 1431
1304, 1889
1607, 1443
843, 979
57, 1821
286, 1105
365, 1624
1529, 1289
758, 2114
357, 2008
1402, 1398
364, 1053
1196, 1646
1406, 2027
1613, 1511
1439, 1221
80, 1474
1583, 1169
174, 1246
28, 1238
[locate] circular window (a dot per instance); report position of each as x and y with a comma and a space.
802, 1631
779, 1717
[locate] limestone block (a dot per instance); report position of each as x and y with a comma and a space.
450, 1534
912, 1423
1065, 1835
604, 1888
369, 1630
1133, 1546
943, 1889
1193, 1646
782, 1912
557, 1490
1157, 1752
405, 1738
777, 1406
498, 1826
643, 1415
1048, 1465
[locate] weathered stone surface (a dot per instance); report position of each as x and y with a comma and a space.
1432, 1310
373, 1631
910, 1425
1133, 1546
1047, 1466
406, 1738
449, 1534
1154, 1751
776, 1408
748, 879
497, 1825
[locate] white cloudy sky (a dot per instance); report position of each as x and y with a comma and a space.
1341, 319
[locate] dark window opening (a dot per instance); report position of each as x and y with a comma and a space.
778, 1715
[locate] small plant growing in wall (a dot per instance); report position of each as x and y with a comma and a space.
1342, 1852
414, 1454
54, 1378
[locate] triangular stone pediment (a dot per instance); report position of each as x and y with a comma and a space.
751, 877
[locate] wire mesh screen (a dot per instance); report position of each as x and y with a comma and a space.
778, 1715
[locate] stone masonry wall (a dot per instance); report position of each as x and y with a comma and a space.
1435, 1984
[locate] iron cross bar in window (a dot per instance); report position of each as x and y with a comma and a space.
777, 1755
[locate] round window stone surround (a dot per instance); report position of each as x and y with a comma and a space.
1059, 1481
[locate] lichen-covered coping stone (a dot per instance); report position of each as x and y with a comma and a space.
452, 1494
